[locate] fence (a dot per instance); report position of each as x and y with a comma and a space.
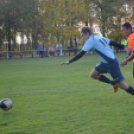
35, 54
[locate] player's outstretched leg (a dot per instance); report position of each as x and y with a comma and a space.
98, 76
129, 89
107, 80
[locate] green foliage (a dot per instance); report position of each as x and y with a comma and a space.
131, 10
116, 36
50, 21
15, 16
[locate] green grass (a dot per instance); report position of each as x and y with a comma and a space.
53, 99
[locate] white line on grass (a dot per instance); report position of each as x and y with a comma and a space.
40, 91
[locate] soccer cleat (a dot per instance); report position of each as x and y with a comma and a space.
115, 88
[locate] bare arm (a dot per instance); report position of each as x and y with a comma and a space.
127, 60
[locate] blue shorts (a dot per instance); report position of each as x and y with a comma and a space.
112, 68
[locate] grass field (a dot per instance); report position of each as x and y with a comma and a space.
53, 99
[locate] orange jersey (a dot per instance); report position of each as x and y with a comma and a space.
131, 42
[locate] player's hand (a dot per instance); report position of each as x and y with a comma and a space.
127, 49
123, 63
67, 63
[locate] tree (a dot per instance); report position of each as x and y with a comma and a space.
50, 21
131, 12
16, 16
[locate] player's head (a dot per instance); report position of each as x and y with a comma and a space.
126, 29
85, 33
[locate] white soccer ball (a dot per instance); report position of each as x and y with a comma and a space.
6, 104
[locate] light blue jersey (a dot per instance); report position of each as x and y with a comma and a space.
101, 47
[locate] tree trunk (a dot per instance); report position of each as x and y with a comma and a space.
103, 30
57, 36
9, 39
75, 41
71, 42
86, 23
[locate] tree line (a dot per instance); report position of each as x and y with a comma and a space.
49, 21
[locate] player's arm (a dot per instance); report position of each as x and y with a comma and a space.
78, 56
131, 57
126, 48
112, 43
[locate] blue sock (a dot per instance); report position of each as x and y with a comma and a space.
106, 80
130, 90
111, 82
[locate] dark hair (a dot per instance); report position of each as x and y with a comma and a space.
86, 30
127, 25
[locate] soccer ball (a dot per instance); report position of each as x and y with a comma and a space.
6, 104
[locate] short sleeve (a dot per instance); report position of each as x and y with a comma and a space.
89, 45
131, 44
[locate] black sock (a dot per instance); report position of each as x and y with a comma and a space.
130, 90
106, 80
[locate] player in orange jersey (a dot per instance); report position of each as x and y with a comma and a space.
127, 31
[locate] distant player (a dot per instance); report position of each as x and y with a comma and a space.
127, 31
109, 64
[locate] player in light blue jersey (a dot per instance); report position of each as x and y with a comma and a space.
109, 64
101, 47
